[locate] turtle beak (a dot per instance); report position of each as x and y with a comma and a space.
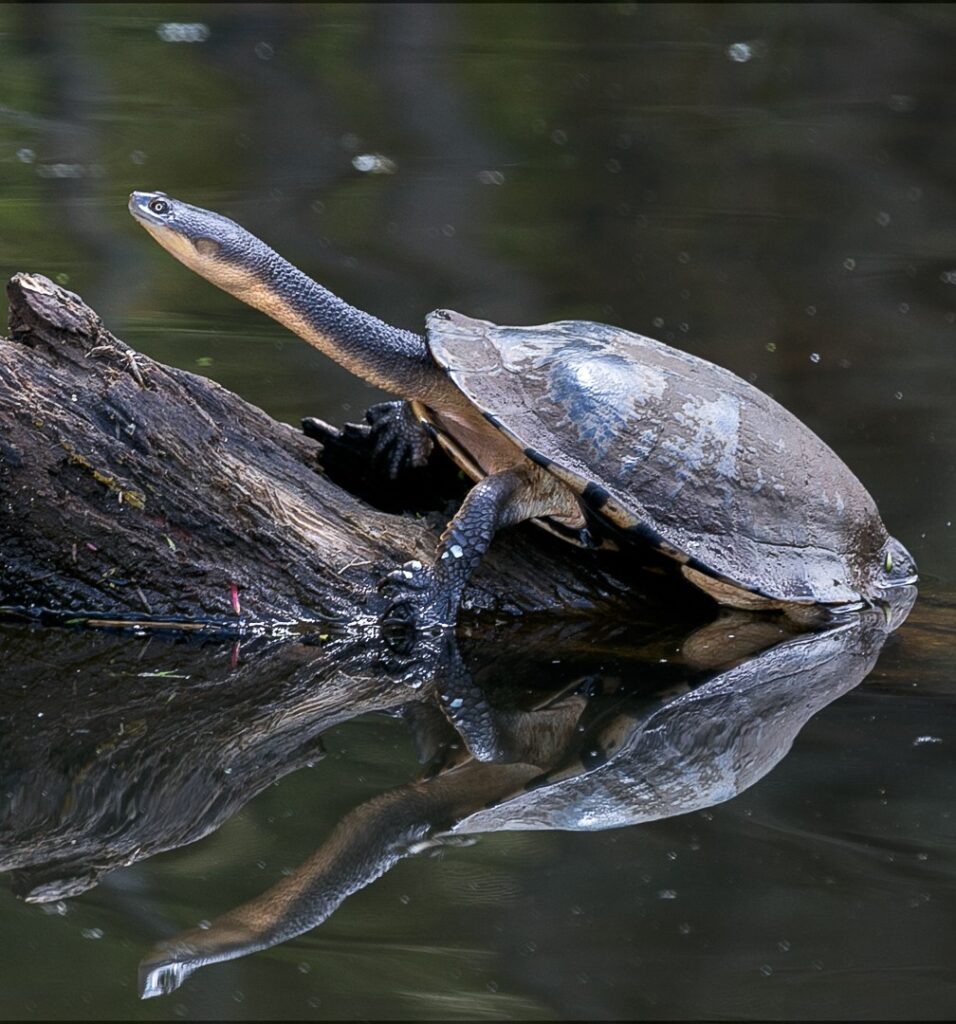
139, 206
899, 566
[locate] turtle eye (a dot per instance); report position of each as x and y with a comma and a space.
888, 564
159, 206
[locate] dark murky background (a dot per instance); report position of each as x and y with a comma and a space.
772, 187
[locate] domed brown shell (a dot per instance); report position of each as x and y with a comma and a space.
678, 451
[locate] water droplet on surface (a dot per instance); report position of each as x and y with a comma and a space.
901, 104
740, 53
183, 32
491, 177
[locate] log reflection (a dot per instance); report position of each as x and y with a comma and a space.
600, 754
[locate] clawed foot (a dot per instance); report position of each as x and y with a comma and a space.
415, 603
399, 441
416, 623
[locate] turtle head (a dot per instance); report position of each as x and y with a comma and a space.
897, 567
214, 246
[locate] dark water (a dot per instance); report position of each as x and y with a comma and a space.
772, 187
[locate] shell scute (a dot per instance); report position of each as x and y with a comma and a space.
696, 460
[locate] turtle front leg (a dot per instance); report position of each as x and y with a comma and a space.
427, 597
399, 440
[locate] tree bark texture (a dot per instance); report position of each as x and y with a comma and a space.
131, 488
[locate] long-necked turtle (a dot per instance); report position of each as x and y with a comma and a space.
580, 427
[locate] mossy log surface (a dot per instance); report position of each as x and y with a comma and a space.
131, 488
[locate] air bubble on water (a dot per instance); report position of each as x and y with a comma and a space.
683, 326
849, 263
904, 307
658, 321
814, 357
914, 193
766, 970
784, 945
559, 137
264, 50
492, 986
811, 310
683, 257
491, 177
373, 163
137, 157
92, 933
898, 395
183, 32
920, 740
60, 170
882, 218
667, 894
740, 53
771, 346
901, 104
684, 928
304, 967
26, 155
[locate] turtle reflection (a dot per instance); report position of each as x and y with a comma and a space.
582, 760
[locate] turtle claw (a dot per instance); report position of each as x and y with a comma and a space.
399, 442
416, 604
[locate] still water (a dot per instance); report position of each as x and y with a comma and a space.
767, 186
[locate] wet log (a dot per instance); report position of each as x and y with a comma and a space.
133, 489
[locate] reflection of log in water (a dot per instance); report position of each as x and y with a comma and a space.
640, 760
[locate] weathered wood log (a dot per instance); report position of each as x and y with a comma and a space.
132, 488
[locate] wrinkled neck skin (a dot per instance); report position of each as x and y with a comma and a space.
393, 359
